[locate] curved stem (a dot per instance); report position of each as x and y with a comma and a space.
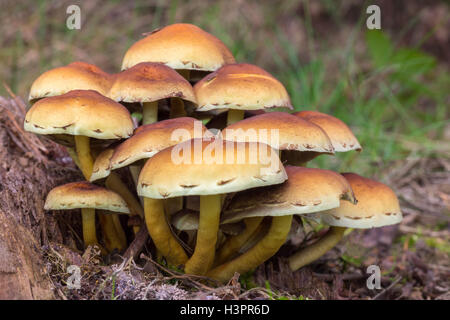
234, 115
316, 250
232, 245
109, 233
83, 150
177, 108
161, 234
208, 227
149, 112
262, 251
119, 230
114, 183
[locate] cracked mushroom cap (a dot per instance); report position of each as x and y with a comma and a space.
340, 134
150, 139
306, 190
180, 46
101, 167
74, 76
79, 195
377, 206
240, 86
147, 82
206, 167
281, 131
80, 112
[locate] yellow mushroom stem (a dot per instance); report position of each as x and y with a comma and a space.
208, 227
177, 108
259, 253
234, 115
114, 183
232, 245
160, 232
119, 230
83, 151
88, 220
316, 250
149, 112
74, 156
109, 233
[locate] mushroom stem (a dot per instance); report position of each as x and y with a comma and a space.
203, 257
88, 220
74, 156
259, 253
232, 245
234, 115
83, 151
109, 233
119, 230
149, 112
114, 183
316, 250
177, 108
160, 232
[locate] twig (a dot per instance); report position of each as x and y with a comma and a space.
396, 280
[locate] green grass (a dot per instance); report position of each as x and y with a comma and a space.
394, 98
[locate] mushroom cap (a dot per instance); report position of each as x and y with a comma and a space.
281, 131
101, 167
74, 76
188, 220
340, 134
180, 46
307, 190
206, 167
80, 112
150, 139
149, 81
83, 194
240, 86
377, 206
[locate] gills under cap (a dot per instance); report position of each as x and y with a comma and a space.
306, 190
79, 195
180, 46
377, 206
198, 167
74, 76
240, 86
281, 131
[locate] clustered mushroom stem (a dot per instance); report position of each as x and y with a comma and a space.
149, 112
119, 230
74, 156
111, 240
161, 234
232, 245
234, 115
316, 250
259, 253
83, 151
177, 108
88, 220
203, 257
114, 183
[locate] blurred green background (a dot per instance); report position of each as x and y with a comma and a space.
391, 86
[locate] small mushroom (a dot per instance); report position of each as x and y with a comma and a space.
377, 206
87, 197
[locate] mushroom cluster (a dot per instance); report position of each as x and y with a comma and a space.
182, 140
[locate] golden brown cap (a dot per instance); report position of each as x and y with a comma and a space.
83, 194
377, 206
307, 190
147, 82
240, 86
101, 168
80, 112
152, 138
180, 46
205, 167
74, 76
340, 134
281, 131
